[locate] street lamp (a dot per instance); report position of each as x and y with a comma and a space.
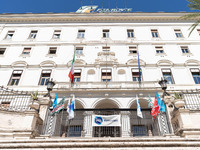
163, 84
50, 85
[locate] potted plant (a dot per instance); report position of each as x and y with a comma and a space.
34, 104
178, 100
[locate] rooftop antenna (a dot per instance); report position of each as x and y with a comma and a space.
91, 2
81, 3
109, 4
116, 3
125, 3
102, 3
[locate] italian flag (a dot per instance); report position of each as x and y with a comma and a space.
71, 73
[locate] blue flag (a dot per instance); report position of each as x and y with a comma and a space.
139, 67
160, 103
55, 101
139, 112
71, 108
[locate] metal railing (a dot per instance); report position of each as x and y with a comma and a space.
114, 85
14, 100
192, 99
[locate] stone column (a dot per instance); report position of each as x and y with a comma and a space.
44, 106
87, 126
169, 106
114, 72
125, 128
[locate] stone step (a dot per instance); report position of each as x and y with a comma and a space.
102, 143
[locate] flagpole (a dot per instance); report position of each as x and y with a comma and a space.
68, 130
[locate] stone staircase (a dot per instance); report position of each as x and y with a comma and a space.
140, 143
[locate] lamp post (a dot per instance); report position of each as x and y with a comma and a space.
50, 85
163, 84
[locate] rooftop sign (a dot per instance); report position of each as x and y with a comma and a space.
89, 9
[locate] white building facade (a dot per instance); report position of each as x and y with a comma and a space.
35, 48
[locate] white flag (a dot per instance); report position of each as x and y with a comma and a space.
71, 108
68, 106
139, 112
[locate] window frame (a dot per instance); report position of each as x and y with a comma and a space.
79, 50
15, 78
46, 79
132, 49
3, 50
159, 49
130, 33
185, 48
56, 34
136, 76
8, 35
77, 75
106, 33
81, 34
166, 70
106, 75
178, 33
28, 49
52, 49
154, 33
33, 34
197, 81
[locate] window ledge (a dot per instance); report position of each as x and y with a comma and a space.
51, 55
25, 55
55, 39
155, 39
132, 54
161, 54
187, 54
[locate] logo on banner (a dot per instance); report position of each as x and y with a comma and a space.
98, 120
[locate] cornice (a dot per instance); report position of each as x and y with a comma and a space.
92, 17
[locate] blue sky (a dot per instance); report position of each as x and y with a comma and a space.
64, 6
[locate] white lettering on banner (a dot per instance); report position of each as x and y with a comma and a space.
104, 120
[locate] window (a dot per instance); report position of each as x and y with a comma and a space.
52, 50
5, 104
56, 34
9, 35
133, 50
135, 74
196, 75
178, 33
168, 76
198, 30
106, 48
2, 51
26, 51
184, 49
45, 76
139, 130
106, 75
154, 33
105, 33
130, 33
77, 75
33, 34
16, 75
79, 50
81, 34
159, 50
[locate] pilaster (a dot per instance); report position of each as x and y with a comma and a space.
87, 127
125, 128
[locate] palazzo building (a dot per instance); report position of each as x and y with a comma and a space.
35, 48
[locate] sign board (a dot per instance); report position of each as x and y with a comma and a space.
89, 9
86, 9
104, 120
114, 10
